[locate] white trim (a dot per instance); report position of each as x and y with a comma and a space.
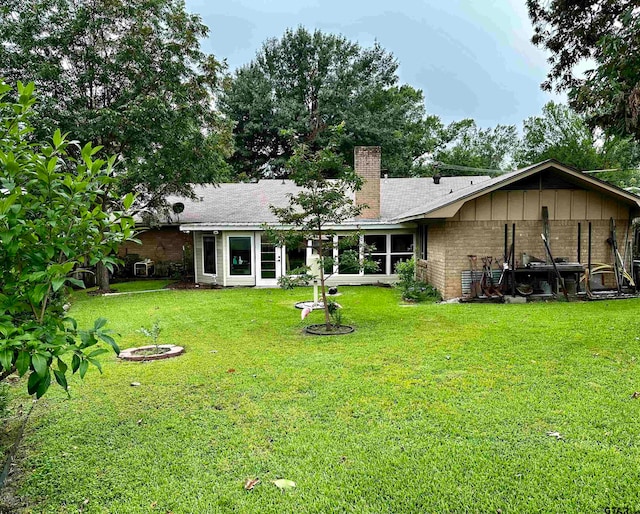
195, 268
244, 227
267, 282
224, 261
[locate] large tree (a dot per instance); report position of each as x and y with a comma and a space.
562, 134
306, 82
604, 35
128, 75
465, 147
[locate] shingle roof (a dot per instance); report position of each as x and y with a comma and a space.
249, 203
492, 184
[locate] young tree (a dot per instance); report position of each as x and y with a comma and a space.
307, 82
324, 201
602, 32
129, 76
51, 223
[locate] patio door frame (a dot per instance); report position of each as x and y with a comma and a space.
279, 254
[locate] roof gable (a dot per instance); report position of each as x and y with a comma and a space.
545, 175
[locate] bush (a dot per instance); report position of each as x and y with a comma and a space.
412, 289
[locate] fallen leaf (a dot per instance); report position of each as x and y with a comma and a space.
135, 384
284, 484
557, 435
154, 505
635, 395
139, 422
250, 483
231, 370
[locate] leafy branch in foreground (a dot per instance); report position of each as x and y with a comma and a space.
52, 223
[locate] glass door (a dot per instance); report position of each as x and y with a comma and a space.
270, 262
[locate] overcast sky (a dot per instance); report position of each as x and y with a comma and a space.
471, 58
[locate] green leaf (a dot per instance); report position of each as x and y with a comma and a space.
75, 363
43, 385
62, 366
110, 341
76, 282
22, 362
84, 366
40, 364
284, 484
61, 379
99, 323
57, 283
6, 359
32, 384
96, 363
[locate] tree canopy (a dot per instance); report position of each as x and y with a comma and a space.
304, 83
562, 134
128, 75
464, 144
602, 33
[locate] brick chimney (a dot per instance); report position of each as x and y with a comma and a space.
367, 165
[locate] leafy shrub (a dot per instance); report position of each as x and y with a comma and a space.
412, 289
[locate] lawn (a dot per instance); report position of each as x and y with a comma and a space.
429, 408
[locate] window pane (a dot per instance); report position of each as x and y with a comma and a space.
382, 265
378, 242
267, 258
240, 255
348, 263
209, 246
395, 259
401, 243
296, 257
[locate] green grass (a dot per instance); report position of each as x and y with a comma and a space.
134, 286
429, 408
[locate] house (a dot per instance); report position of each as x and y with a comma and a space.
440, 222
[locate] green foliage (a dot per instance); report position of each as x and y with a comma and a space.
152, 333
411, 288
606, 33
129, 76
51, 223
463, 143
562, 134
307, 82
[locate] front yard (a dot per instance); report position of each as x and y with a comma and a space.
429, 408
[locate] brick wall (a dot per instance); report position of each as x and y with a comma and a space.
482, 238
367, 165
159, 244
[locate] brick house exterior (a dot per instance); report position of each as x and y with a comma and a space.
440, 222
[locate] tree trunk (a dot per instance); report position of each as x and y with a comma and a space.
102, 278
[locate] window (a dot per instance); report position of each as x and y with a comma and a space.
240, 255
376, 245
295, 258
348, 256
401, 249
209, 254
